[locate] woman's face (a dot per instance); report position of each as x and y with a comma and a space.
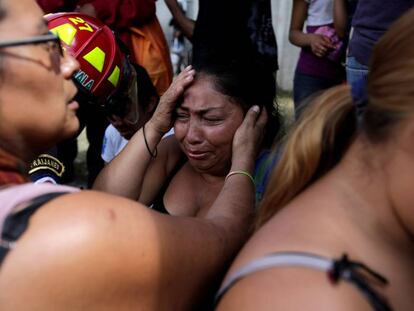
205, 125
36, 103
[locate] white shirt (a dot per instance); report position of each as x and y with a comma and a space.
113, 143
320, 12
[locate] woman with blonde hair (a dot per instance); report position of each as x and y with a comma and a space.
336, 227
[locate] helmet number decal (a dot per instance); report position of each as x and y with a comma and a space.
83, 78
84, 25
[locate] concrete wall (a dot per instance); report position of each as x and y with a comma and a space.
281, 12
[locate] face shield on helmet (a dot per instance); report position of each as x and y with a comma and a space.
106, 76
124, 103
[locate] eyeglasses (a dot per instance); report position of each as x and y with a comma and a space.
50, 38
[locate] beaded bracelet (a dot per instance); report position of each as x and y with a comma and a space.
153, 155
242, 173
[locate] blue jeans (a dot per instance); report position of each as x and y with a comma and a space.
305, 85
354, 70
356, 75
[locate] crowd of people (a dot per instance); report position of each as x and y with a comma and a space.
204, 201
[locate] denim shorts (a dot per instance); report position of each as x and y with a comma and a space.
306, 85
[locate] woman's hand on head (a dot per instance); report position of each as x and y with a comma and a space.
162, 119
320, 44
248, 137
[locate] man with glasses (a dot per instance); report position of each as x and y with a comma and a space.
49, 38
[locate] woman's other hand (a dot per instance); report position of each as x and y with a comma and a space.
320, 44
162, 119
248, 138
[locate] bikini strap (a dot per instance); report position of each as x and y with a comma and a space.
16, 224
342, 268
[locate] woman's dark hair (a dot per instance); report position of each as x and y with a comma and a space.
246, 83
146, 88
119, 105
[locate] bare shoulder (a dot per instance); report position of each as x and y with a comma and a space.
169, 153
292, 289
78, 247
95, 251
171, 148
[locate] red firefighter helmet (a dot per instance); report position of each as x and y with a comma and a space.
93, 44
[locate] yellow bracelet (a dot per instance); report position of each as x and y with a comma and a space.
242, 173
